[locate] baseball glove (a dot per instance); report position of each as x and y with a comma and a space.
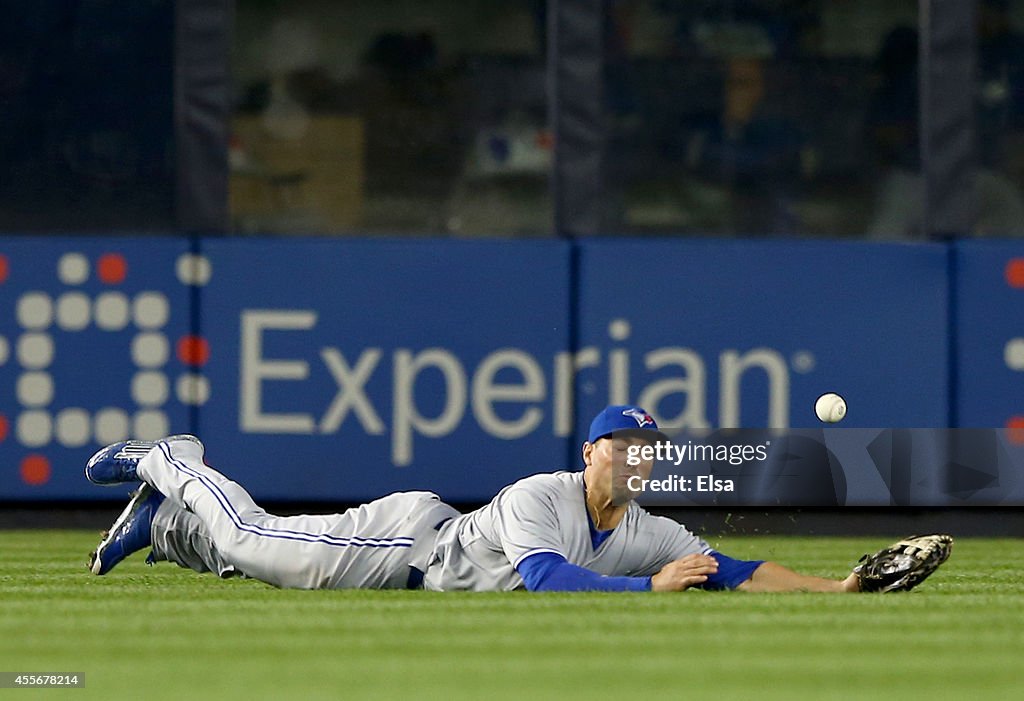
903, 565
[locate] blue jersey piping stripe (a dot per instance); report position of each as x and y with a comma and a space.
236, 519
536, 551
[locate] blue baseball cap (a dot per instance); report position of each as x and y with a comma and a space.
623, 417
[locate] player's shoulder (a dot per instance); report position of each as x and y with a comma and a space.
645, 521
639, 515
554, 484
560, 478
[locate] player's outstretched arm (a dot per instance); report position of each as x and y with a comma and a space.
900, 567
774, 577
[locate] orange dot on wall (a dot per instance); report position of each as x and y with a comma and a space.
1015, 429
3, 427
1015, 272
111, 268
5, 269
35, 470
193, 350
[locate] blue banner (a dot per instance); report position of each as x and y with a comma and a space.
749, 333
341, 370
989, 314
344, 370
94, 336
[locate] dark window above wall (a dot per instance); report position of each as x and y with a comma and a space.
86, 124
392, 117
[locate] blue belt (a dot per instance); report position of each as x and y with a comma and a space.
415, 580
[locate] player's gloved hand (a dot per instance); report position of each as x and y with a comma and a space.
903, 565
686, 572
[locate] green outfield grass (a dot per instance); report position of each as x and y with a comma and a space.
166, 633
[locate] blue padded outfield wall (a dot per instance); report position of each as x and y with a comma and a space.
87, 334
353, 370
343, 369
989, 340
759, 330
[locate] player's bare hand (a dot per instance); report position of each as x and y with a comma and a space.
686, 572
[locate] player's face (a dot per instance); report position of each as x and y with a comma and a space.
609, 469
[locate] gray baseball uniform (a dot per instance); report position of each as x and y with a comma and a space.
547, 513
209, 523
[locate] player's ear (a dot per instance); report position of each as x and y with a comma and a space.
588, 449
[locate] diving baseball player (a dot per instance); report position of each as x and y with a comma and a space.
562, 531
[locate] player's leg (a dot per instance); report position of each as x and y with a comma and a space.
367, 547
149, 519
179, 536
129, 533
175, 535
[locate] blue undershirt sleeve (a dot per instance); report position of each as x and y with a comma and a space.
552, 572
731, 573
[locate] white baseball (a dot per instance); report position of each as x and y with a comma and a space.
830, 407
